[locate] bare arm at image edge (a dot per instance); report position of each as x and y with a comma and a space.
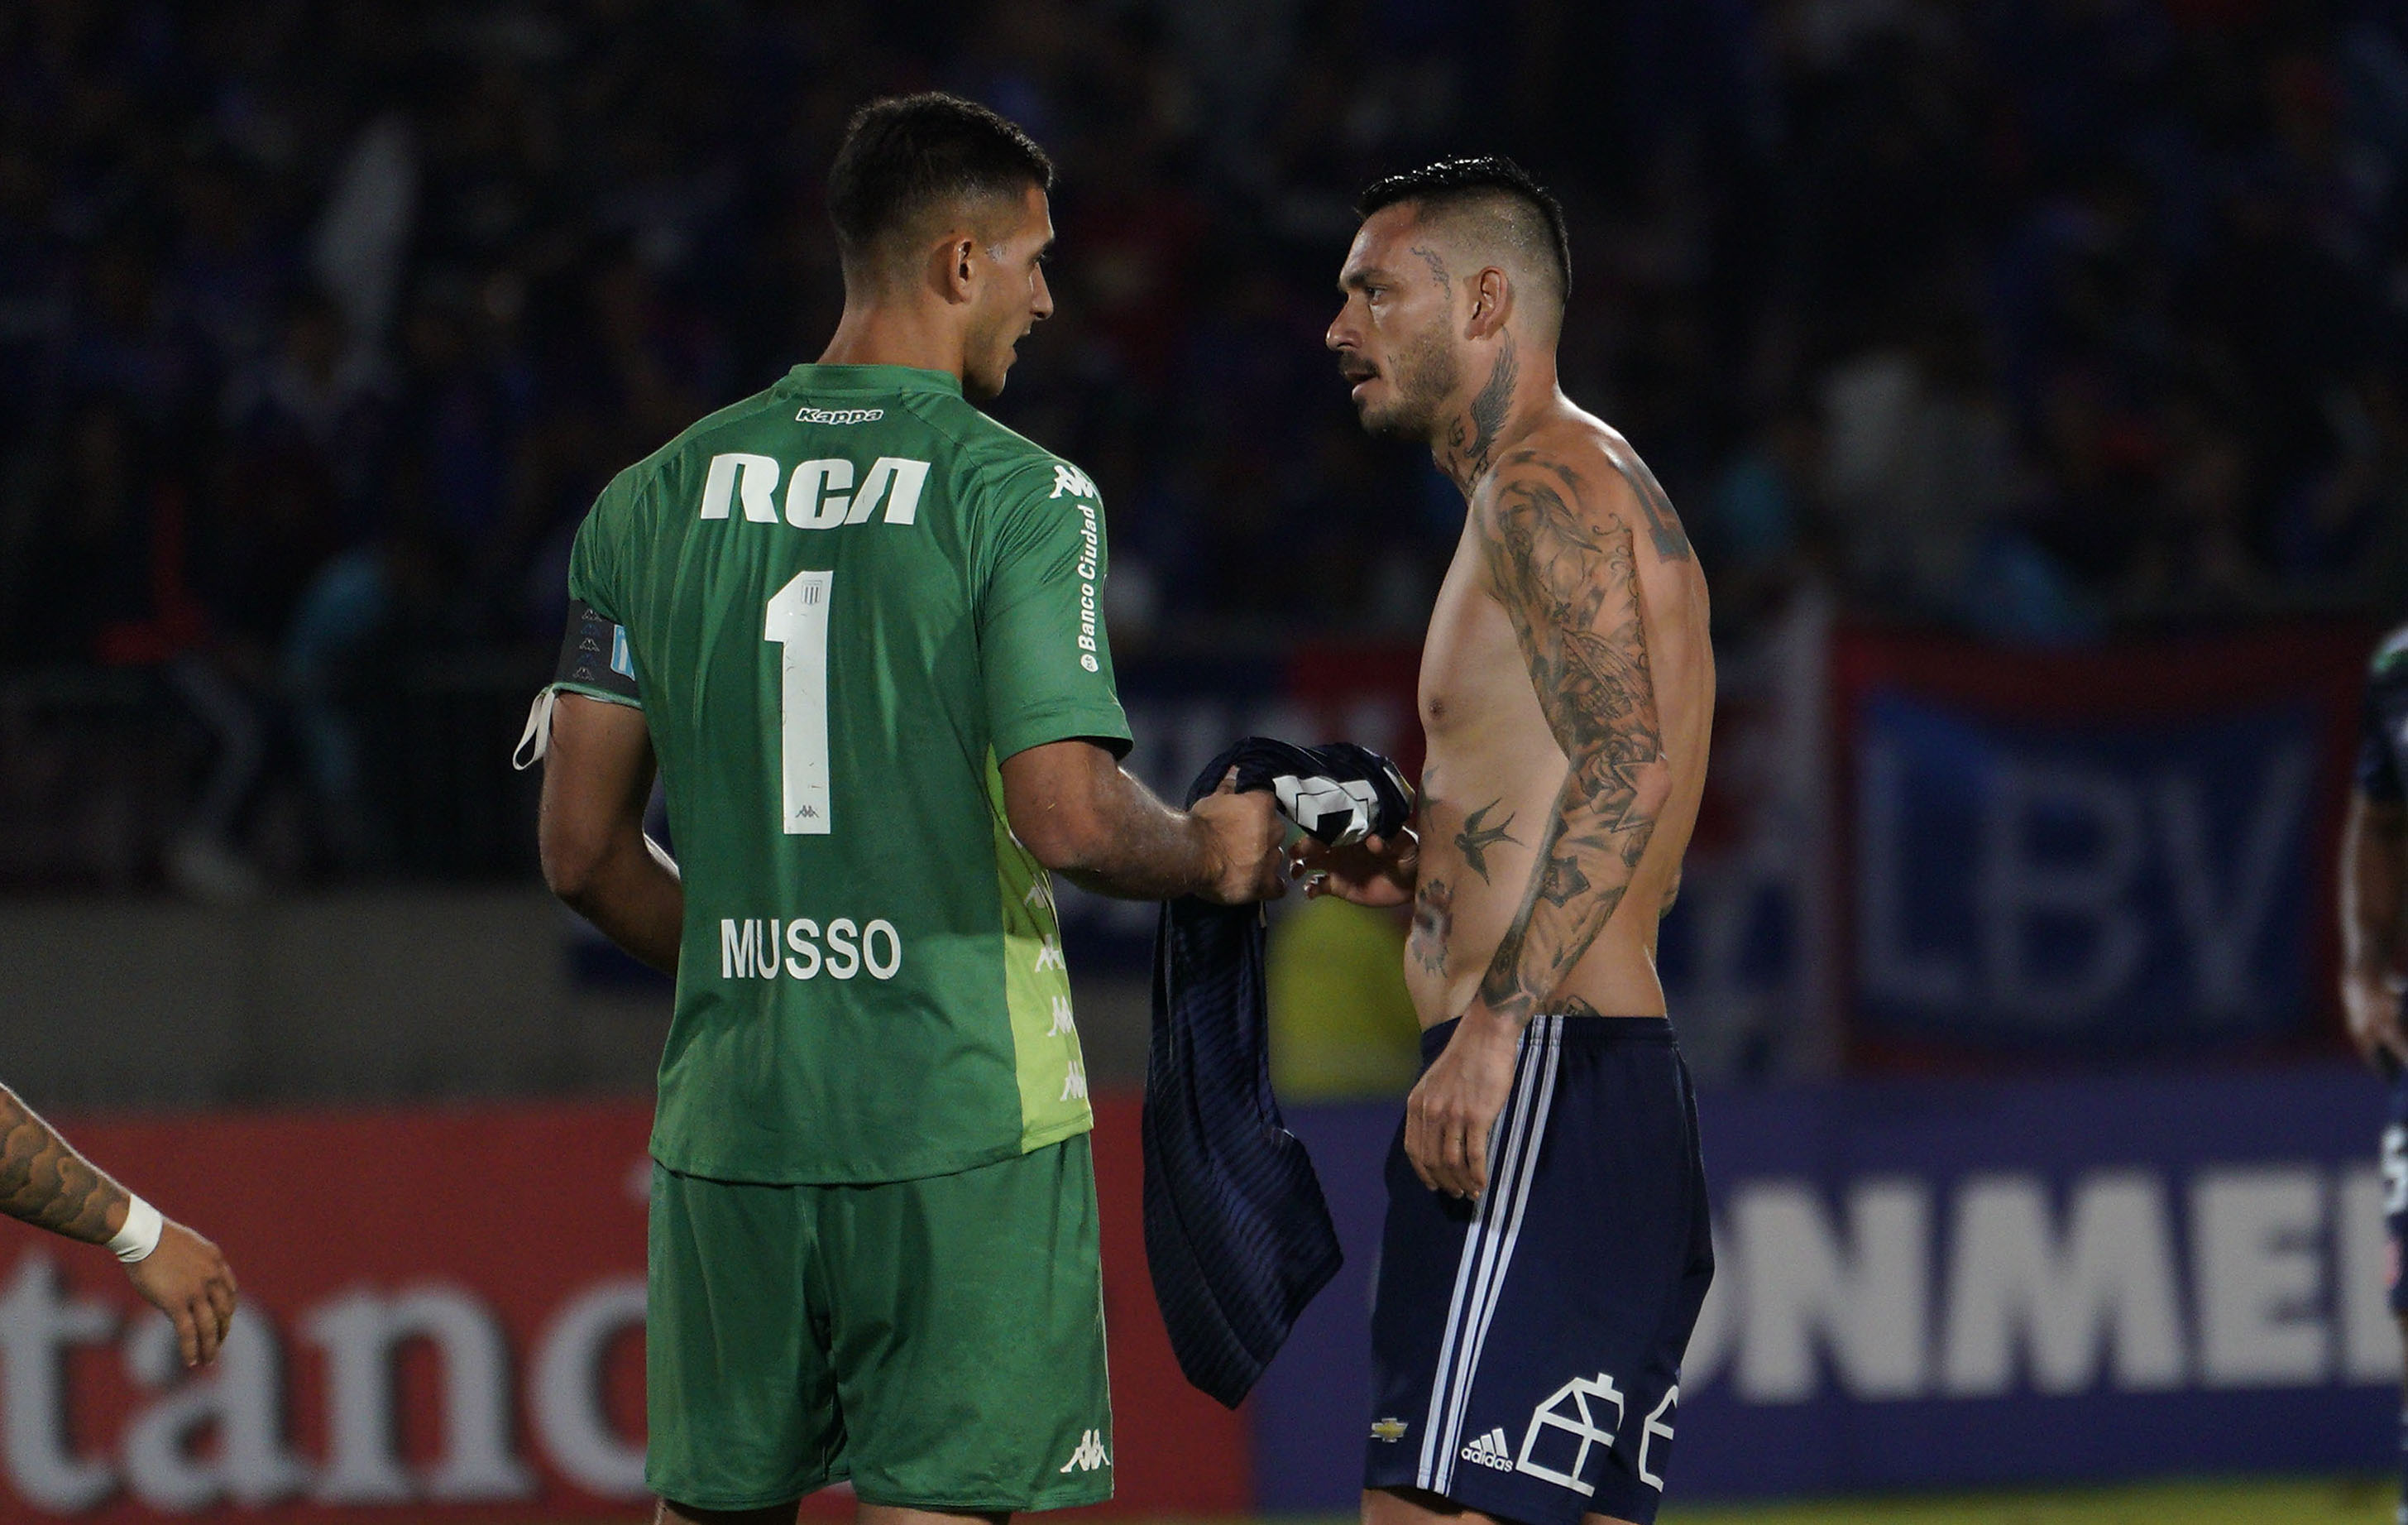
2373, 876
597, 781
43, 1182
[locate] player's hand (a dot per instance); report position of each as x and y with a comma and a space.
2371, 1000
188, 1280
1245, 832
1376, 871
1449, 1117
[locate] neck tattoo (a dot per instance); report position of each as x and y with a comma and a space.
1471, 440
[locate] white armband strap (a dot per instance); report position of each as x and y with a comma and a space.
535, 740
140, 1235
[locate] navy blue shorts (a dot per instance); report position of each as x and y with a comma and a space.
1525, 1348
2395, 1188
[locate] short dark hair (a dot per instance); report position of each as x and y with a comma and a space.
1458, 182
906, 154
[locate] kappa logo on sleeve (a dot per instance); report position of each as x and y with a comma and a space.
1071, 480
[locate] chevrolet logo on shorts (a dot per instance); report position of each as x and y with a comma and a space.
1388, 1430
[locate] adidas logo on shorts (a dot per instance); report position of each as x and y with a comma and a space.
1491, 1450
1090, 1454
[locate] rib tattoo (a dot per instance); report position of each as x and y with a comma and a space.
43, 1182
1478, 836
1433, 925
1567, 573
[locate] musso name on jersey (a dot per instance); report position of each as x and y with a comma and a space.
749, 948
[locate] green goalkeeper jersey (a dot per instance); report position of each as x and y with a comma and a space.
843, 603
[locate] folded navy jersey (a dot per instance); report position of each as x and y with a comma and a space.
1238, 1235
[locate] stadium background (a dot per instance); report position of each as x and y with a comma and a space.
2029, 376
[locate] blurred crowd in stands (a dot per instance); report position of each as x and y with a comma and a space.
2042, 320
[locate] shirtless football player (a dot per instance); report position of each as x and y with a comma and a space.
1547, 1245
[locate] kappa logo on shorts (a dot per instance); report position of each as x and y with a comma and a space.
1567, 1410
1390, 1429
1492, 1450
1090, 1454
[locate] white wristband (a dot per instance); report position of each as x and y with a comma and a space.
140, 1235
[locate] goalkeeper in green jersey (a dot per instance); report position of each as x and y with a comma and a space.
855, 625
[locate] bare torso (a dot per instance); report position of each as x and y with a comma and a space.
1496, 770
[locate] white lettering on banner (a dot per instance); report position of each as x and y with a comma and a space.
1889, 969
565, 1394
2369, 1336
220, 1436
749, 948
2060, 859
37, 1328
1807, 1283
2109, 1288
2016, 886
240, 1399
2223, 928
2106, 1297
1863, 1297
362, 1334
2260, 1276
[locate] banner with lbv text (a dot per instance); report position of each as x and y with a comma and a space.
2092, 854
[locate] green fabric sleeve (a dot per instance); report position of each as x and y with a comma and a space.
1043, 652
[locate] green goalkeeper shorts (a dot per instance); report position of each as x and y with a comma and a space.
940, 1342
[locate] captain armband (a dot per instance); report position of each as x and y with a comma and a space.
595, 660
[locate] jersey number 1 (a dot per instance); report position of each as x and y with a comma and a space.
798, 622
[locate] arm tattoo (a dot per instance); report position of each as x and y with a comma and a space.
1663, 524
43, 1182
1478, 836
1567, 573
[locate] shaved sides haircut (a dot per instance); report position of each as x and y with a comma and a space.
908, 160
1490, 199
